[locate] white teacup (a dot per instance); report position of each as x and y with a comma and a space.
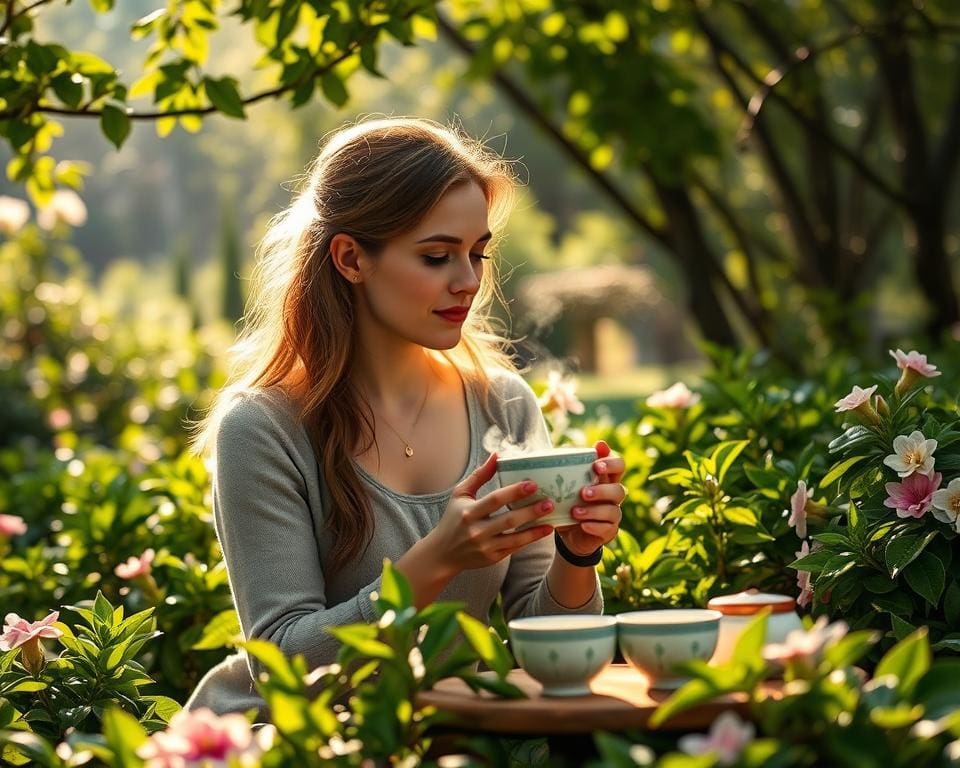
564, 653
560, 474
654, 642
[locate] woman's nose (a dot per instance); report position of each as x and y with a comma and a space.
466, 280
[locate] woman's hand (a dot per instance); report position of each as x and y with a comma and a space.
467, 536
599, 514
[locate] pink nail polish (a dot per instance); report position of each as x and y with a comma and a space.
602, 466
529, 486
588, 492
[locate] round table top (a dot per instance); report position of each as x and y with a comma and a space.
620, 699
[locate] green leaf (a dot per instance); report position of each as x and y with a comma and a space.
24, 686
495, 685
904, 549
222, 630
225, 96
839, 469
951, 604
362, 638
271, 657
395, 590
67, 90
164, 706
815, 561
749, 647
103, 609
485, 642
30, 744
927, 576
689, 695
851, 648
939, 689
725, 454
101, 6
908, 661
333, 88
853, 436
123, 735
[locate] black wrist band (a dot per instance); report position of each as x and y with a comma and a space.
583, 561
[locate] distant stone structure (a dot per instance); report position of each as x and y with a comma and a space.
578, 300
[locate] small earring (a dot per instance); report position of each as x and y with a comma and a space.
356, 278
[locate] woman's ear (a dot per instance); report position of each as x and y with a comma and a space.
347, 256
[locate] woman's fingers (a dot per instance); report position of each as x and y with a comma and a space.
608, 513
508, 494
508, 543
609, 469
507, 521
472, 483
604, 531
607, 492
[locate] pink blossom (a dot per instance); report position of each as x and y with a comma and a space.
677, 396
803, 579
728, 737
806, 645
913, 453
857, 399
11, 525
199, 735
914, 361
14, 213
18, 631
914, 496
65, 206
135, 566
59, 418
798, 509
560, 394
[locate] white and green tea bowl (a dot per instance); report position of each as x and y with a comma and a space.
560, 474
654, 642
564, 653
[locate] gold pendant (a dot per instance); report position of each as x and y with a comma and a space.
409, 451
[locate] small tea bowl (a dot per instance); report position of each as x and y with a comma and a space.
654, 642
564, 653
560, 474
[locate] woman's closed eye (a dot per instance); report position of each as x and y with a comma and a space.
437, 259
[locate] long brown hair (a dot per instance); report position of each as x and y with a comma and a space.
374, 181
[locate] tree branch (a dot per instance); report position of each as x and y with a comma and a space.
792, 201
767, 88
530, 109
13, 16
198, 111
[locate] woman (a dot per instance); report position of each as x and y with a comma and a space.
365, 382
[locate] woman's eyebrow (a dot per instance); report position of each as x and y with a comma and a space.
451, 239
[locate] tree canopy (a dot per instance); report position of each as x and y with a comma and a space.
785, 156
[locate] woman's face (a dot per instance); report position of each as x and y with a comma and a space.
420, 287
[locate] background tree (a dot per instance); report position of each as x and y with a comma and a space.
785, 154
786, 175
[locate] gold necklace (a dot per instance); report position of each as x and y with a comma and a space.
408, 449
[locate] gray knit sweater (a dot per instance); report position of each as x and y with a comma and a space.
268, 504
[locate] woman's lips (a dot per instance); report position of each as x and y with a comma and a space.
454, 315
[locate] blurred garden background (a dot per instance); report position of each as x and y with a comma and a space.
755, 198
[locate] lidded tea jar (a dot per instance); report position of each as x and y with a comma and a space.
741, 608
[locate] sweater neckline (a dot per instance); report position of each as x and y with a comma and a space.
474, 429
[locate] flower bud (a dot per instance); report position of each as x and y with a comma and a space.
711, 486
882, 408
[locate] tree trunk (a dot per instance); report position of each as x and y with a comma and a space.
695, 258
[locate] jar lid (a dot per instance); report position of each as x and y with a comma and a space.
752, 601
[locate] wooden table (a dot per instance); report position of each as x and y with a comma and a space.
620, 700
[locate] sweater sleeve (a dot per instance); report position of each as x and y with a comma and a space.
266, 532
525, 591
